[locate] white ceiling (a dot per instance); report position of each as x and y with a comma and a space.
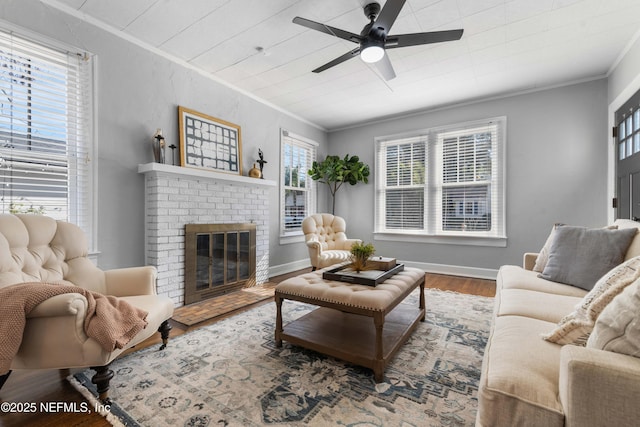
508, 46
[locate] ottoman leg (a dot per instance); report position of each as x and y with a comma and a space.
378, 369
278, 338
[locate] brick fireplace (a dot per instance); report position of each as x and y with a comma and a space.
177, 196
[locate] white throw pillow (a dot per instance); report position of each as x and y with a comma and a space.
543, 255
618, 326
576, 327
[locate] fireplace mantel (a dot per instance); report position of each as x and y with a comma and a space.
202, 174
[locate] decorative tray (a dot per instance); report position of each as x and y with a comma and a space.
345, 273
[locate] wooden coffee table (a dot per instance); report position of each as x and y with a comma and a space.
342, 327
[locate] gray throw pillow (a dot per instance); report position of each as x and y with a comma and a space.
579, 256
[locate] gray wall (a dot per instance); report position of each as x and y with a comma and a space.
626, 72
139, 91
556, 146
556, 171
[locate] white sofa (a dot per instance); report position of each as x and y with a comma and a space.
527, 381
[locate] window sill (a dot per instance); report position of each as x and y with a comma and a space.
499, 242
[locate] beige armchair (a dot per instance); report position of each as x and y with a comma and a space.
326, 240
39, 250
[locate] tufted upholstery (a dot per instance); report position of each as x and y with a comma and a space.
378, 298
326, 239
36, 248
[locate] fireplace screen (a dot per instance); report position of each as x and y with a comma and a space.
219, 258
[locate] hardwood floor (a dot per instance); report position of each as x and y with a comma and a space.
50, 387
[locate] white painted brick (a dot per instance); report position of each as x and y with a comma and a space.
172, 203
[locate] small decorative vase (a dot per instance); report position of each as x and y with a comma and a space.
254, 172
158, 146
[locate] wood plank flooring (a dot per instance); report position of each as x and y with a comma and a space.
51, 386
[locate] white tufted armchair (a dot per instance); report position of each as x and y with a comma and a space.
326, 240
38, 249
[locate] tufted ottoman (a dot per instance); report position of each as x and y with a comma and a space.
341, 327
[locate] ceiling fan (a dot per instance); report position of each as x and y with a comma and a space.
374, 37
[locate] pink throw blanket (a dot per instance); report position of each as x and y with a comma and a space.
110, 321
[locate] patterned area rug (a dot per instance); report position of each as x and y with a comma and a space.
231, 374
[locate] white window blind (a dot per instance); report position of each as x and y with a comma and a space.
446, 181
402, 195
297, 197
46, 130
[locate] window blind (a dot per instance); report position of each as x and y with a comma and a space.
469, 191
297, 199
401, 197
45, 131
443, 181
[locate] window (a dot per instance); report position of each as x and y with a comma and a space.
297, 190
628, 131
46, 131
443, 182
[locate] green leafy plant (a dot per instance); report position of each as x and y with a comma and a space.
19, 208
335, 171
360, 254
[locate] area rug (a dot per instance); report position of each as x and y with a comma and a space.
231, 374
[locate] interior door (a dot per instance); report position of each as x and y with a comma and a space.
627, 133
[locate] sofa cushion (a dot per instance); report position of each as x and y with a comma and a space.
579, 256
576, 326
618, 326
537, 305
519, 380
516, 277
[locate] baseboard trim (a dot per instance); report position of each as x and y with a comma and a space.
277, 270
453, 270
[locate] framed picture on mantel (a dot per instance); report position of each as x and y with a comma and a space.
209, 143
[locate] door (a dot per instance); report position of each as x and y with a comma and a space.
627, 134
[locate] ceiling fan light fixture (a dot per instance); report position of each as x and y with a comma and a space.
371, 53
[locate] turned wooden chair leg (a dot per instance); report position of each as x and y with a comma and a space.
164, 329
4, 378
101, 380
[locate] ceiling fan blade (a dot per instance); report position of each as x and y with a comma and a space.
338, 60
388, 15
332, 31
403, 40
385, 68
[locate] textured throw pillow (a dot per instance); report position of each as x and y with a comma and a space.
618, 326
575, 327
543, 255
579, 256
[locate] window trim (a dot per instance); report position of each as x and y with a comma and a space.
288, 237
91, 217
432, 232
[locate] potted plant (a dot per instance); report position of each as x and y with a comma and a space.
335, 171
360, 254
